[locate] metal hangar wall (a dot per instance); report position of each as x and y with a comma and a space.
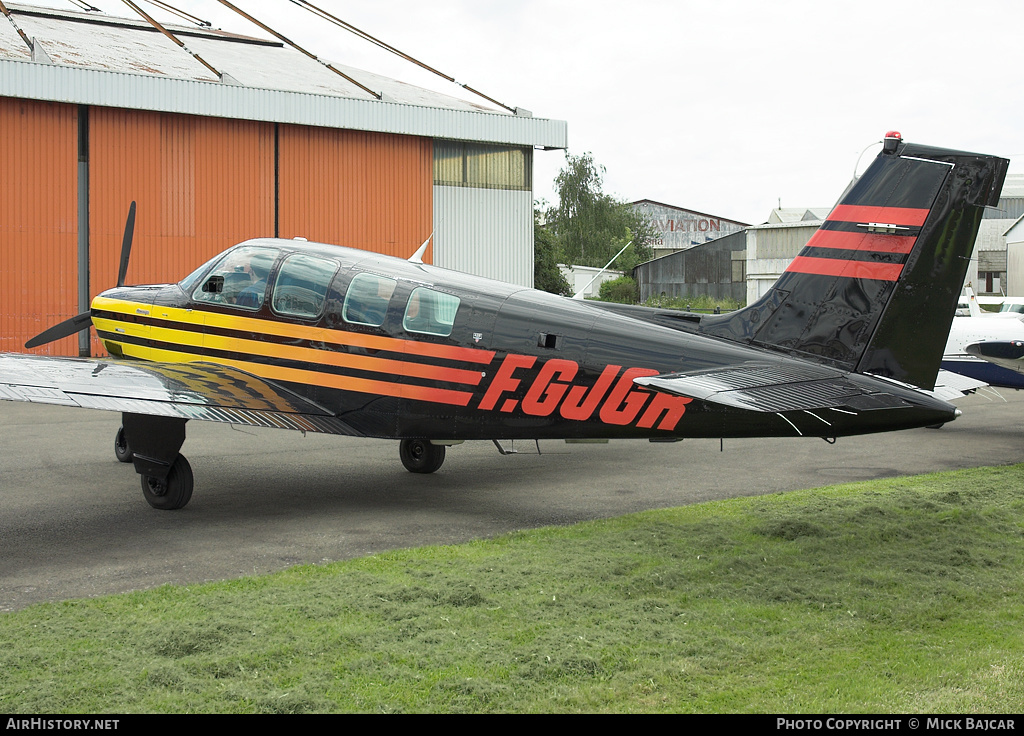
212, 162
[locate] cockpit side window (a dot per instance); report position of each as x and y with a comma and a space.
430, 312
300, 288
367, 298
239, 280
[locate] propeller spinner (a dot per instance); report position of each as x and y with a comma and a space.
82, 321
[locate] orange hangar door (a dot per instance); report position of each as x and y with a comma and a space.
38, 222
372, 191
201, 184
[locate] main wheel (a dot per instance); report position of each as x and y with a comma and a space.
122, 450
419, 456
174, 491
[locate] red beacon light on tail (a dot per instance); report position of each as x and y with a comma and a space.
892, 140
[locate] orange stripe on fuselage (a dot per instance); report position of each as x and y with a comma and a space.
343, 337
348, 383
174, 325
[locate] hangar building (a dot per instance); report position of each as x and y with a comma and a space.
97, 111
680, 229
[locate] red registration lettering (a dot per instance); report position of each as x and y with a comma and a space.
623, 403
503, 381
673, 406
580, 404
544, 395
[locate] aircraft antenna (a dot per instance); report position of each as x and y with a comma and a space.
579, 294
417, 257
387, 47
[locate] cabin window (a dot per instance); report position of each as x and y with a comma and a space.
300, 289
430, 312
366, 302
239, 280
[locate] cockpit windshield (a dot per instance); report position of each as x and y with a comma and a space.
239, 280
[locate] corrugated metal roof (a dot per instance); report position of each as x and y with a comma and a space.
1013, 186
102, 60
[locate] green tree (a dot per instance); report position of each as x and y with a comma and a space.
546, 274
589, 226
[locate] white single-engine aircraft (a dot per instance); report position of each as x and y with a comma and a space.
986, 346
322, 338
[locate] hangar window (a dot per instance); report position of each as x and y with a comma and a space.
300, 289
461, 164
239, 280
430, 312
366, 302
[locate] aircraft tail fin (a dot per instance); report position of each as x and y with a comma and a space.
876, 287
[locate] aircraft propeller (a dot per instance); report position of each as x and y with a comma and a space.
82, 321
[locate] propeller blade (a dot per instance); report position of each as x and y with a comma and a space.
82, 321
65, 329
126, 245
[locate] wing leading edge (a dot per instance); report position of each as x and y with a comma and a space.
203, 391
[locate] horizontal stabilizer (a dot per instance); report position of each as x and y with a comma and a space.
203, 391
950, 386
773, 388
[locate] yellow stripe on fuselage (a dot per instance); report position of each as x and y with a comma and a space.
287, 329
197, 337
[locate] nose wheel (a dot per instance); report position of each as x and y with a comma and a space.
419, 456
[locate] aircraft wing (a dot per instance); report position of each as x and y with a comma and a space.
776, 387
950, 386
202, 391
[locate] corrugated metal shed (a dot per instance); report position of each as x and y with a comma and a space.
710, 269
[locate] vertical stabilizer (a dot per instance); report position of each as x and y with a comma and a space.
876, 287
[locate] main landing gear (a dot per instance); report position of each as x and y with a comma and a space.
172, 492
152, 443
419, 456
122, 451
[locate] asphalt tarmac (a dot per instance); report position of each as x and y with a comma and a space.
73, 522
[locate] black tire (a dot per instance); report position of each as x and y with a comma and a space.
419, 456
173, 492
122, 450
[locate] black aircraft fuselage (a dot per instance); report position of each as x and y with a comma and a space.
323, 338
517, 363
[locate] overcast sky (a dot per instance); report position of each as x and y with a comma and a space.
722, 107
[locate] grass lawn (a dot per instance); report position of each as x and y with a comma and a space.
894, 596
